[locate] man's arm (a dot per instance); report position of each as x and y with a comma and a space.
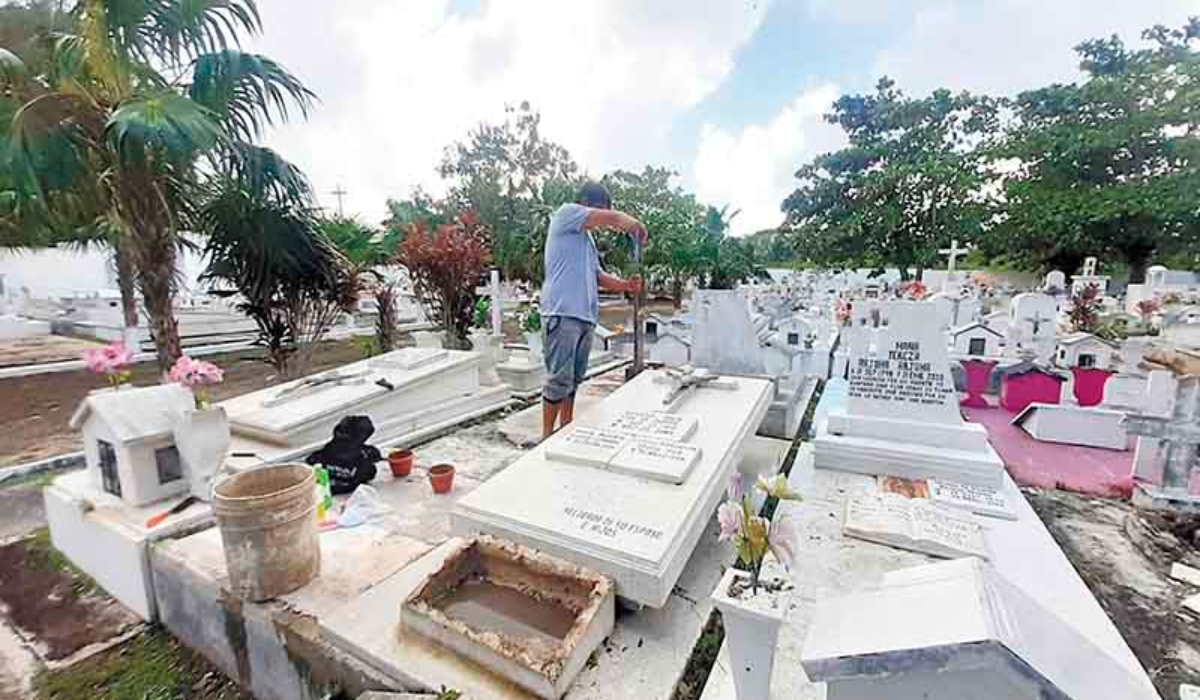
612, 283
610, 218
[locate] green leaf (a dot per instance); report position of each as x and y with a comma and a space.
162, 125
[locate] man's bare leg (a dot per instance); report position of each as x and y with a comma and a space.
550, 412
567, 411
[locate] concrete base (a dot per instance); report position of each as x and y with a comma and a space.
830, 564
14, 327
1074, 425
522, 374
787, 411
908, 460
108, 539
1152, 497
275, 649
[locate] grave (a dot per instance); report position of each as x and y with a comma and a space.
902, 416
640, 531
976, 340
1028, 382
957, 630
1032, 326
1166, 458
1074, 425
397, 391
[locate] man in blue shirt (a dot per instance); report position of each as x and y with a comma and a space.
570, 302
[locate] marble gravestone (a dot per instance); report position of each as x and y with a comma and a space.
724, 338
386, 389
902, 416
952, 631
616, 515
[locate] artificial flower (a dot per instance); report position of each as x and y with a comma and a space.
729, 516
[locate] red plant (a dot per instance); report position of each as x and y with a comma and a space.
1146, 308
1085, 309
915, 290
445, 266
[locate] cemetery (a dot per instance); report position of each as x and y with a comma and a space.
929, 429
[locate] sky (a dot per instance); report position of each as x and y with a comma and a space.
728, 93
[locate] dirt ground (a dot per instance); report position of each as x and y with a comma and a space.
35, 411
1125, 558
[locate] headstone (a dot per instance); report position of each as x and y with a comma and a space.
1174, 457
654, 424
902, 416
1033, 326
724, 338
637, 529
1055, 282
588, 446
957, 630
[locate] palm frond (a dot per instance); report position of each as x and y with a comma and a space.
247, 90
12, 70
170, 29
164, 123
264, 174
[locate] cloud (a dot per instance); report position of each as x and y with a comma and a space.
401, 80
1006, 46
752, 170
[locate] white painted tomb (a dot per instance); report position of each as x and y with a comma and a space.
638, 530
1085, 350
1032, 325
902, 417
1074, 425
389, 389
976, 341
954, 631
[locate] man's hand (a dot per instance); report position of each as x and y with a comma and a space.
633, 285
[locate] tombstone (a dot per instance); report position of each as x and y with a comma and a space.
1055, 282
1178, 436
627, 519
1158, 400
902, 416
724, 338
390, 389
129, 441
1032, 325
957, 630
1089, 278
669, 349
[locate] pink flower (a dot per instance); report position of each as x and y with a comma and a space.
110, 359
736, 490
782, 540
729, 516
194, 373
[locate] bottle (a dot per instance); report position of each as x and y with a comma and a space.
324, 492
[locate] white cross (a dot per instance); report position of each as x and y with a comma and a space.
954, 253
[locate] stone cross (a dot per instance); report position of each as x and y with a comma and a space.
953, 253
497, 301
683, 381
1037, 320
1179, 433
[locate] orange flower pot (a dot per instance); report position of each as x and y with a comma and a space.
441, 478
401, 462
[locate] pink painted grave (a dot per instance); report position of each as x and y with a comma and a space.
1089, 385
978, 373
1027, 382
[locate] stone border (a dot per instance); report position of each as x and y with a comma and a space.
58, 463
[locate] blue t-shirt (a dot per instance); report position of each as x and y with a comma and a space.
572, 267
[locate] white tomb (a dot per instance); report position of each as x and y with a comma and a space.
1074, 425
129, 441
902, 416
635, 528
1085, 350
393, 390
976, 340
1032, 325
1089, 278
955, 631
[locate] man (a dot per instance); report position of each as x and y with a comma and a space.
570, 303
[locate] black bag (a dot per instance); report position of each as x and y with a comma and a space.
348, 458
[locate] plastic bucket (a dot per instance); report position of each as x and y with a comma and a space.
268, 524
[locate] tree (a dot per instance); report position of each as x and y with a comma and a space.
264, 243
512, 178
141, 99
1111, 165
368, 249
910, 180
1085, 309
446, 264
724, 261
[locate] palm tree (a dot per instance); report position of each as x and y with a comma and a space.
142, 103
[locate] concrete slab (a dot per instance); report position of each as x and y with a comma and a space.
18, 666
477, 452
830, 565
24, 510
524, 428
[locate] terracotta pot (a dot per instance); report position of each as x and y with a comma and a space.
401, 462
441, 477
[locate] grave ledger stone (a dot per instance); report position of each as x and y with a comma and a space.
902, 417
624, 519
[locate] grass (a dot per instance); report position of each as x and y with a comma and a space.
37, 479
40, 546
151, 666
703, 658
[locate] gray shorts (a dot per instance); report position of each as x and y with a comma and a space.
567, 346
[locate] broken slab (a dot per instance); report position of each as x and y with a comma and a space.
638, 531
933, 631
1074, 425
